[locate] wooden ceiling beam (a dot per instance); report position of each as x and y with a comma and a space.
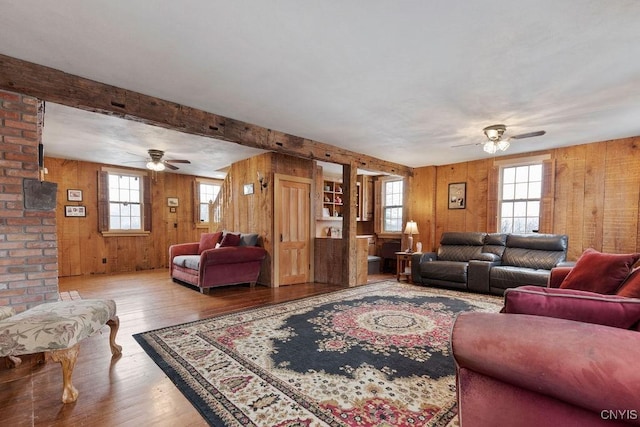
57, 86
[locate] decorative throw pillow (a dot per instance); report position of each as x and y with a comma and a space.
248, 239
599, 272
230, 239
630, 288
208, 241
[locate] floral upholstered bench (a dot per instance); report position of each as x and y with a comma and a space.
57, 328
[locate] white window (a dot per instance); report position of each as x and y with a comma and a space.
520, 196
125, 202
207, 192
392, 206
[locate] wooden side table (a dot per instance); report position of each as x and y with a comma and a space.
403, 266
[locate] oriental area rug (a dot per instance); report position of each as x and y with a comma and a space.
374, 355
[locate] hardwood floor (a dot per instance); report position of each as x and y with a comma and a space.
131, 390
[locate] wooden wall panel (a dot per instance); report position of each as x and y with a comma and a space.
569, 194
622, 180
422, 205
596, 200
592, 232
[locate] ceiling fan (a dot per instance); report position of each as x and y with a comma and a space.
156, 163
495, 140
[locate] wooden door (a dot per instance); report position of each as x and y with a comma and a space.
292, 230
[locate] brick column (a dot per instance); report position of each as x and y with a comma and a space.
28, 241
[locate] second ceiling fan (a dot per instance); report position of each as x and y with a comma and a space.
496, 140
157, 164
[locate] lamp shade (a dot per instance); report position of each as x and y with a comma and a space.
411, 228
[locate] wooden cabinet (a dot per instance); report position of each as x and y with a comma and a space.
332, 199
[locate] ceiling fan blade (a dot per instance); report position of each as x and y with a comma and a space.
467, 145
137, 155
170, 166
528, 135
177, 161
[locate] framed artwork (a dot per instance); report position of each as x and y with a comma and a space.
74, 195
457, 195
172, 209
172, 201
75, 211
248, 189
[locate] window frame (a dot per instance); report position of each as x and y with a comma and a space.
196, 199
104, 202
384, 206
546, 191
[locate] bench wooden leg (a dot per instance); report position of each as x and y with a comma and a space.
13, 361
114, 325
67, 359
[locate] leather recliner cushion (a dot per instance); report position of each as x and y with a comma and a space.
532, 258
450, 271
462, 238
458, 253
504, 277
494, 243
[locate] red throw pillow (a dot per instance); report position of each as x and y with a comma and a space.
230, 239
208, 241
598, 272
630, 288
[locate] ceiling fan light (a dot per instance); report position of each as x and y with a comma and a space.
503, 144
155, 166
490, 147
492, 134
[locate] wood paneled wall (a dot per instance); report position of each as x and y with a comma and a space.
82, 248
597, 196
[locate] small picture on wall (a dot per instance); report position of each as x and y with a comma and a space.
75, 211
248, 189
457, 195
74, 195
172, 201
172, 209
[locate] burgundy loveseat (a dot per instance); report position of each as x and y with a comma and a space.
212, 263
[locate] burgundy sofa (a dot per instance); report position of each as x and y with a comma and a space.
528, 370
205, 268
564, 355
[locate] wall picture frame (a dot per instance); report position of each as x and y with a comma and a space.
75, 211
74, 195
172, 201
248, 189
458, 195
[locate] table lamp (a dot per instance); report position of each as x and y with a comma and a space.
411, 229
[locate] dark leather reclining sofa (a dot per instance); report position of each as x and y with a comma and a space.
490, 262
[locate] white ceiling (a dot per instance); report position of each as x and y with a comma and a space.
403, 81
